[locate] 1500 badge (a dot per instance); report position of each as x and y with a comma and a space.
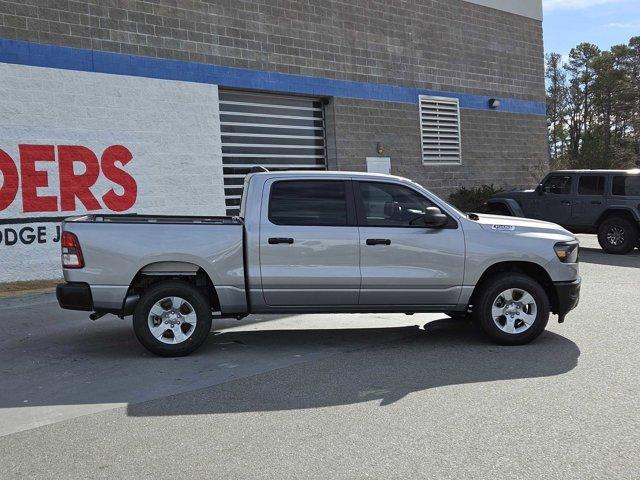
503, 228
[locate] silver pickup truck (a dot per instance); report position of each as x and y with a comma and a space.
319, 242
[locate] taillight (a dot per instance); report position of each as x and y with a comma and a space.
71, 252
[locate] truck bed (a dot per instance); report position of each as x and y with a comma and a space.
117, 248
165, 219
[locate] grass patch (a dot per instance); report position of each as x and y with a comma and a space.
30, 286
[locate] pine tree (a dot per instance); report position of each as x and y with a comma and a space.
593, 106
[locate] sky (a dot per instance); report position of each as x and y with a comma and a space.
603, 22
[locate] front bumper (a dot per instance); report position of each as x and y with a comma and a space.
74, 296
568, 295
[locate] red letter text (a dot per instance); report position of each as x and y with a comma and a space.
32, 178
74, 186
113, 201
9, 187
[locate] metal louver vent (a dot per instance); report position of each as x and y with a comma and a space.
440, 127
275, 131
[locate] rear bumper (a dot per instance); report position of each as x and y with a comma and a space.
568, 295
74, 296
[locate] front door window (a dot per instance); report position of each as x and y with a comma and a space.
388, 205
558, 185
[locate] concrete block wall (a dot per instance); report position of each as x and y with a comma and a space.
440, 44
171, 130
504, 149
398, 47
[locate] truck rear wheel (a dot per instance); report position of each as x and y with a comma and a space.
512, 308
617, 235
172, 319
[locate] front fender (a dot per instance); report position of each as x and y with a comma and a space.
509, 203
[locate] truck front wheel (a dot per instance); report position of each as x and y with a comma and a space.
617, 235
172, 319
512, 308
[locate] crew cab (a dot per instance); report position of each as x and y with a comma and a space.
320, 242
606, 202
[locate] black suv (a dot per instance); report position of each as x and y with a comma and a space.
606, 202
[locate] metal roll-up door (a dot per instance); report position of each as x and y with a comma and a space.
274, 131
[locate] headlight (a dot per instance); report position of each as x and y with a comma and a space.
567, 252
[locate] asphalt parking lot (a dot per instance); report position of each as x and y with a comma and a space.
343, 396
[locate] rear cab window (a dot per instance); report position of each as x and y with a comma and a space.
310, 202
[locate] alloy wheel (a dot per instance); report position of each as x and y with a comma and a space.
514, 311
172, 320
615, 236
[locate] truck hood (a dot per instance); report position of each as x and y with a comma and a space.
513, 193
515, 225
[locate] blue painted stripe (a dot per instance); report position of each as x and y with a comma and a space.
26, 53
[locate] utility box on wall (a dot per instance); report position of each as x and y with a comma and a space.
379, 165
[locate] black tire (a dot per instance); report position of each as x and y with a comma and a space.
201, 308
626, 228
489, 292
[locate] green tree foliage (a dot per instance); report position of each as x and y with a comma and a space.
593, 107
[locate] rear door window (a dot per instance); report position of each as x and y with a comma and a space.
308, 202
591, 185
558, 185
626, 185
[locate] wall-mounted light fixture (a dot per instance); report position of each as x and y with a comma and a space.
380, 148
494, 103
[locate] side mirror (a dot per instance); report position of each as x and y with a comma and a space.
540, 189
433, 217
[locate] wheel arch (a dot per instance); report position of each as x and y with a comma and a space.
156, 272
623, 212
531, 269
509, 204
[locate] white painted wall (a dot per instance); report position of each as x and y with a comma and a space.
171, 129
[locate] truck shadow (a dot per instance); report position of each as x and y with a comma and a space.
597, 256
56, 359
447, 353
